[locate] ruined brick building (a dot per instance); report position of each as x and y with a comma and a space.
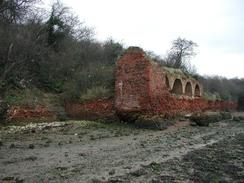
144, 86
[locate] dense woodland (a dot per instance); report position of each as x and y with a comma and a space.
53, 52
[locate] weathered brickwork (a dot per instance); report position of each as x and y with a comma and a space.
142, 85
22, 113
101, 108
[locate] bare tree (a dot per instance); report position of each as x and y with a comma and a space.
180, 53
63, 23
14, 11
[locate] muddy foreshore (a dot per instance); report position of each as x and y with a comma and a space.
87, 151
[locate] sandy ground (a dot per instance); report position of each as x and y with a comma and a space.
86, 151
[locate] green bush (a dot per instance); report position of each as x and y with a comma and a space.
14, 97
202, 119
154, 122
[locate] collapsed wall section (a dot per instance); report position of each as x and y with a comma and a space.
97, 109
132, 81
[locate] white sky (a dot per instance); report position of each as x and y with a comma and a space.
217, 26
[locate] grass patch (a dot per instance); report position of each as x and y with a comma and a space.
155, 167
31, 97
115, 129
95, 92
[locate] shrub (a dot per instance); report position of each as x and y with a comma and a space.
205, 119
154, 122
26, 97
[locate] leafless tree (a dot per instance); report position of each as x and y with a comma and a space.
14, 11
180, 53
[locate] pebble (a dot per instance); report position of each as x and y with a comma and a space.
111, 172
31, 146
12, 146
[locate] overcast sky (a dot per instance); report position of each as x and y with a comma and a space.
217, 26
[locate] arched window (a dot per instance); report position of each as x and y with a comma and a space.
167, 82
197, 91
177, 87
188, 89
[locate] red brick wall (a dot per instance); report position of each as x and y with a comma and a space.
100, 108
132, 82
140, 86
22, 113
171, 106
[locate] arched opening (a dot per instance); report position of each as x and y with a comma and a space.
167, 82
188, 89
177, 87
197, 91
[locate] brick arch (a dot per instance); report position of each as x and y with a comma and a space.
197, 92
177, 87
167, 81
188, 89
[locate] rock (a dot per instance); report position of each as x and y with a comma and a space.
127, 167
31, 146
142, 145
155, 180
8, 178
12, 146
19, 180
82, 154
31, 158
96, 180
139, 172
111, 172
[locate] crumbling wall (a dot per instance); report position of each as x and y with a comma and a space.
100, 108
22, 113
132, 81
143, 86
